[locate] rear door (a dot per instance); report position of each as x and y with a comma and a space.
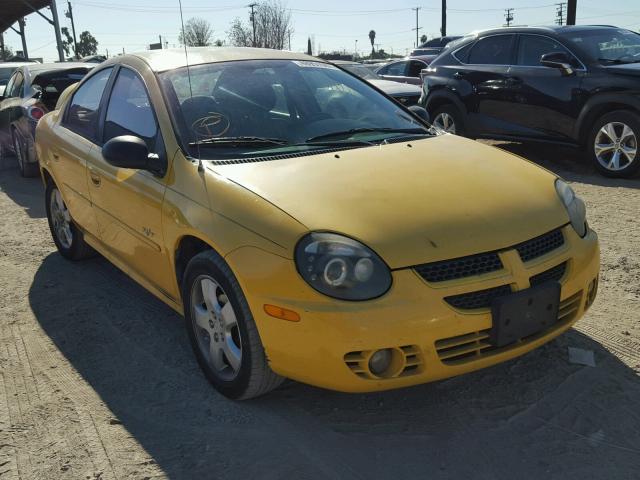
11, 106
395, 71
545, 101
413, 72
69, 152
127, 202
486, 73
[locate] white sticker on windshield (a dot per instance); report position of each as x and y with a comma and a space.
310, 64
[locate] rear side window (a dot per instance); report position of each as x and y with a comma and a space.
129, 111
532, 47
493, 50
17, 88
82, 114
415, 68
395, 69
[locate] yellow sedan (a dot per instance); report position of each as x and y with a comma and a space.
308, 226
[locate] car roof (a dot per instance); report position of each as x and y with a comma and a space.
169, 59
345, 62
544, 29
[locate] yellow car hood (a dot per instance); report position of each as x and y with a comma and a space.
414, 202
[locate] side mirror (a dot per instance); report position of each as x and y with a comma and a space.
559, 60
420, 112
126, 151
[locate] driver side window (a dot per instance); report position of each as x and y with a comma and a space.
532, 47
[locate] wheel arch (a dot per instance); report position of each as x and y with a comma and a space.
187, 247
438, 98
599, 106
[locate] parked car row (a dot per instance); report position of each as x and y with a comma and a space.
31, 91
308, 226
575, 85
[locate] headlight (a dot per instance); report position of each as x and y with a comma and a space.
575, 207
341, 267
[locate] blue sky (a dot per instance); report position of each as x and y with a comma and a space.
334, 24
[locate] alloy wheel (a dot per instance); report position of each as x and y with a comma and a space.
445, 122
61, 219
615, 146
216, 327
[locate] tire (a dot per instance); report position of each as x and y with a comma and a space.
210, 325
72, 247
26, 169
451, 112
624, 127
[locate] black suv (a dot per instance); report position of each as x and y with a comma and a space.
577, 85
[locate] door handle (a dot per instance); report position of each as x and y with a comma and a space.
95, 178
458, 75
55, 156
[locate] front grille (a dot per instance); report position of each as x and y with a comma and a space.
536, 247
556, 273
460, 267
478, 299
475, 345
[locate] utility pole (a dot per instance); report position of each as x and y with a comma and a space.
253, 21
69, 15
160, 37
443, 27
560, 13
508, 16
24, 39
571, 12
417, 9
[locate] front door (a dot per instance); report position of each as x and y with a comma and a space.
546, 102
396, 71
128, 203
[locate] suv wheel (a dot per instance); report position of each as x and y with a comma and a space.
223, 334
449, 119
613, 144
68, 238
26, 169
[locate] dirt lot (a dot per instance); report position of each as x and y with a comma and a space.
97, 380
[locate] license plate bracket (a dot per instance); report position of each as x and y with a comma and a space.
524, 313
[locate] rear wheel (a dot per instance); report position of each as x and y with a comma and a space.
222, 331
68, 238
26, 169
613, 144
448, 119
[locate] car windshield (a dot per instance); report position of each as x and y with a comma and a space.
608, 45
361, 71
255, 108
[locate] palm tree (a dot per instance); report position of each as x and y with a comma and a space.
372, 37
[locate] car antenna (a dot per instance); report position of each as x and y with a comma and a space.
186, 56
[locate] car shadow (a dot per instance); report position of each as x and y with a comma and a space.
538, 416
28, 193
570, 163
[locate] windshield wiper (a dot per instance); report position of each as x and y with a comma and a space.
238, 141
353, 131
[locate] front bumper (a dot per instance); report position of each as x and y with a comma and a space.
431, 340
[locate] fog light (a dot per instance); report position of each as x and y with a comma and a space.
380, 361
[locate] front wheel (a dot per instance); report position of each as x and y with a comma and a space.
448, 119
613, 144
223, 334
68, 238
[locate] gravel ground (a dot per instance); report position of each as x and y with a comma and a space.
97, 380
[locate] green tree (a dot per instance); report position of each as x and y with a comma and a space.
6, 54
87, 44
423, 39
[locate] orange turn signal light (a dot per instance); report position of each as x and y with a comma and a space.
281, 313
